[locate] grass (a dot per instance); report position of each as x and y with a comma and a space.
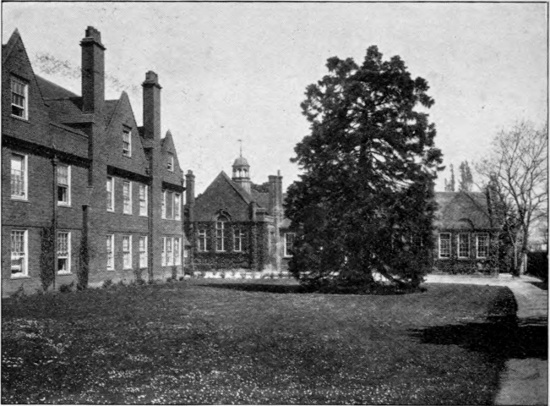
239, 342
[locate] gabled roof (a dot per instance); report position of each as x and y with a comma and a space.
243, 193
456, 209
51, 90
261, 198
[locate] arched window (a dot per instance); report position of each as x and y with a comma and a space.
220, 233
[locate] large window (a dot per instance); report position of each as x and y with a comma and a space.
63, 185
482, 245
19, 253
18, 176
238, 239
171, 251
63, 252
110, 193
177, 251
143, 251
127, 251
444, 245
127, 197
463, 245
171, 205
110, 252
19, 98
177, 206
220, 233
126, 143
201, 240
289, 243
142, 200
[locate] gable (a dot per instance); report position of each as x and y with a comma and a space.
221, 194
168, 150
462, 210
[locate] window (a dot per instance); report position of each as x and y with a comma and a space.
170, 163
177, 251
163, 257
238, 239
169, 205
127, 197
142, 200
444, 245
289, 243
143, 251
19, 98
127, 143
63, 185
127, 251
201, 241
220, 234
164, 204
463, 245
482, 245
18, 176
63, 252
110, 193
19, 251
169, 252
110, 252
177, 206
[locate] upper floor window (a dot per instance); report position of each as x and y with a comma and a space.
127, 197
18, 176
444, 245
171, 205
63, 185
238, 239
110, 193
220, 233
201, 240
142, 200
482, 245
19, 253
110, 252
170, 162
463, 245
289, 243
63, 252
177, 206
127, 142
19, 98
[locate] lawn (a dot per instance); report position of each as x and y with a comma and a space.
254, 342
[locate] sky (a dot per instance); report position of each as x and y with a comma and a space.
238, 71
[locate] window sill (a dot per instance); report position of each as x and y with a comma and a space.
64, 273
110, 211
25, 120
20, 199
128, 214
63, 204
444, 258
20, 277
110, 269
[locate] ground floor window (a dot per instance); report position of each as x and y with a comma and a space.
482, 245
127, 251
171, 251
110, 252
143, 251
289, 243
63, 252
19, 253
201, 240
444, 245
238, 239
463, 244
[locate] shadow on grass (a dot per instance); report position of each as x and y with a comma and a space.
541, 285
256, 287
499, 337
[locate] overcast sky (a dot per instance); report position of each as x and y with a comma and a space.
239, 70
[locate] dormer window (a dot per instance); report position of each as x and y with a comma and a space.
19, 98
170, 163
127, 143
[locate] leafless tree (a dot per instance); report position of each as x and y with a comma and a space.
516, 171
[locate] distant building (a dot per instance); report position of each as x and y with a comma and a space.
464, 228
87, 195
237, 225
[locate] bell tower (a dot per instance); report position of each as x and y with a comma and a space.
241, 171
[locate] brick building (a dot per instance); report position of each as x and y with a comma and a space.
465, 232
237, 225
79, 168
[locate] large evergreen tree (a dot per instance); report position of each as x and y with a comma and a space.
466, 179
364, 204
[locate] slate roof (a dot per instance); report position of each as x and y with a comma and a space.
51, 90
462, 210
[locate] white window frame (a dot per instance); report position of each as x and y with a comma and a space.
176, 206
439, 245
169, 252
176, 248
143, 258
238, 237
170, 164
127, 152
24, 176
127, 255
220, 235
25, 254
163, 255
68, 186
287, 254
25, 95
143, 203
111, 198
458, 253
110, 252
163, 210
201, 238
127, 204
65, 255
486, 235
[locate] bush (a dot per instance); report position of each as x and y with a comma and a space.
64, 288
107, 283
19, 293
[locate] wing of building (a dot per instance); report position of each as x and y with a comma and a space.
87, 195
236, 225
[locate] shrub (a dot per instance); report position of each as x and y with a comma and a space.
107, 283
66, 288
19, 293
181, 278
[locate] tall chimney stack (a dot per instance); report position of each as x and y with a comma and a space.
93, 72
151, 106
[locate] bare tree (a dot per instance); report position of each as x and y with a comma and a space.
516, 173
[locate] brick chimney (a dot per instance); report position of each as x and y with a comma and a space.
151, 106
275, 193
190, 189
93, 72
